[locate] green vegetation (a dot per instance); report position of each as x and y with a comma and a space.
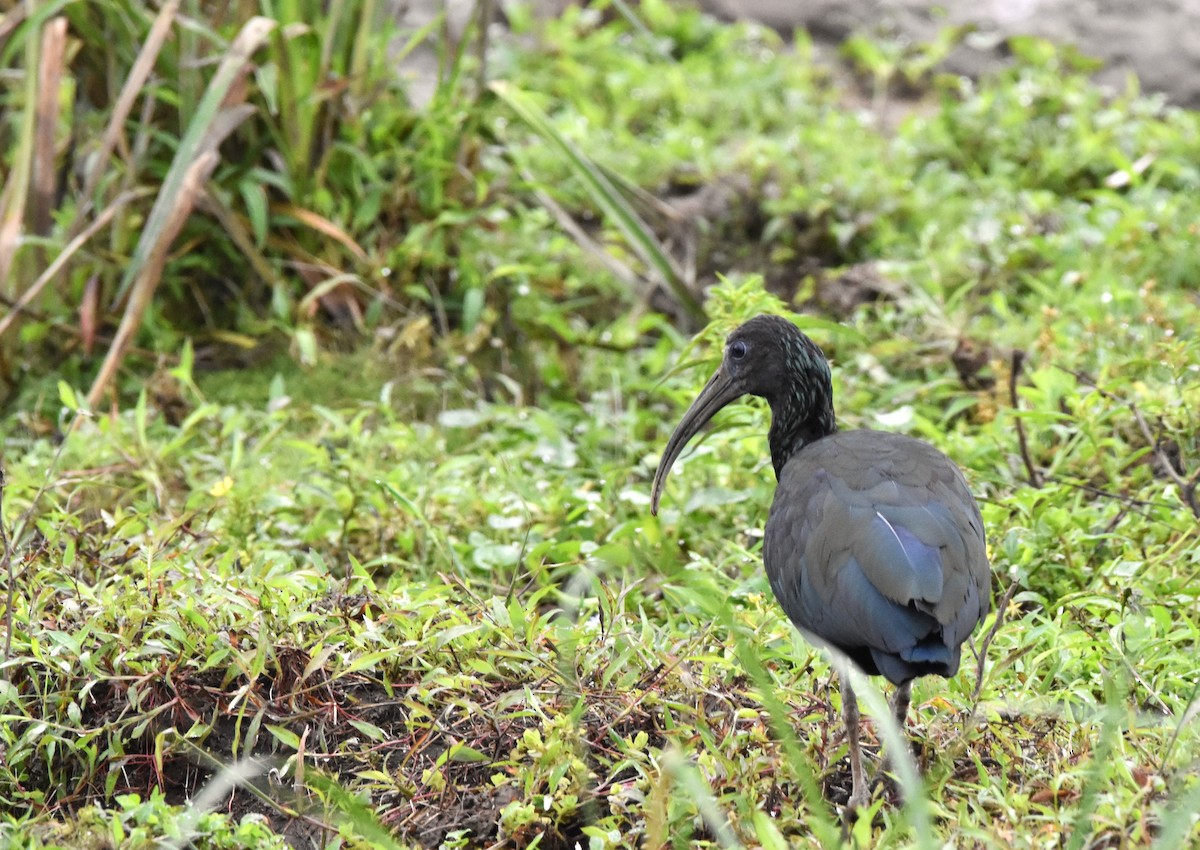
348, 538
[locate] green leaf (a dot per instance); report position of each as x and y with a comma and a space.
254, 196
463, 753
612, 204
767, 833
66, 394
284, 736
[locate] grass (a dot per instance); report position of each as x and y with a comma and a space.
412, 595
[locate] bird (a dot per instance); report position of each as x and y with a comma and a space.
874, 544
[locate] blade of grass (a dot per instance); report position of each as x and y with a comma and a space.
59, 261
915, 796
1178, 823
196, 140
565, 220
32, 16
239, 232
11, 20
635, 23
696, 788
360, 54
714, 606
355, 814
16, 188
50, 73
134, 85
299, 104
323, 226
418, 36
1096, 779
7, 565
172, 220
1189, 714
606, 196
193, 162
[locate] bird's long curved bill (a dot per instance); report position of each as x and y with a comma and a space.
717, 393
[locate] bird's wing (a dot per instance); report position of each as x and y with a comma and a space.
875, 541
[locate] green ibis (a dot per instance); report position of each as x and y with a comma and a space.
874, 545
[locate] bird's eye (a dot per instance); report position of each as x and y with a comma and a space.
737, 350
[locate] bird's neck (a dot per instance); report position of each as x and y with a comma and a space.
798, 418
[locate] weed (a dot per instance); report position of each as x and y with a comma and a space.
413, 594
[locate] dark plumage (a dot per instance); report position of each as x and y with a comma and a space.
874, 544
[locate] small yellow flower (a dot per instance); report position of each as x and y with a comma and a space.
222, 487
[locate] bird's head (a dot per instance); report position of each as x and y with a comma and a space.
767, 356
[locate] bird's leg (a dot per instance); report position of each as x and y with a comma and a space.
859, 794
901, 700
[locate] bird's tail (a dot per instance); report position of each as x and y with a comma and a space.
929, 657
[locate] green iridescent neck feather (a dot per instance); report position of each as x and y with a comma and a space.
801, 409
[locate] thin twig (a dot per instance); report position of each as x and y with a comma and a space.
1188, 715
1084, 379
1018, 360
1187, 489
1001, 610
1189, 492
981, 659
8, 571
1125, 499
485, 15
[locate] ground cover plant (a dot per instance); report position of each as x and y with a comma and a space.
352, 546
